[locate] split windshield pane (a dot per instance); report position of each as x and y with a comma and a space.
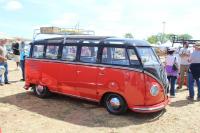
147, 56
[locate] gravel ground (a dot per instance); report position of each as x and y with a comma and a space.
22, 112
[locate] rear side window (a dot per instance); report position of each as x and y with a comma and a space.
69, 53
115, 56
38, 51
52, 52
89, 54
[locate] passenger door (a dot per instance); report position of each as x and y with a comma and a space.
67, 71
34, 67
112, 76
116, 75
49, 66
87, 72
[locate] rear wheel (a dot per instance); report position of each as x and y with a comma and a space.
41, 91
115, 104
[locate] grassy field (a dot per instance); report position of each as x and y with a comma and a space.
22, 112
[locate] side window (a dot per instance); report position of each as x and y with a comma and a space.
89, 54
38, 51
133, 57
52, 52
117, 56
69, 53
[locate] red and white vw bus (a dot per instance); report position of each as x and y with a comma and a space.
118, 73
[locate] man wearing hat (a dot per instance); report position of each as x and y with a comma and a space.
184, 64
194, 71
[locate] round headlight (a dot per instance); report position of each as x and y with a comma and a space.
154, 90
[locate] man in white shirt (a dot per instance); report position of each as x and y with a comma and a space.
184, 64
2, 60
3, 56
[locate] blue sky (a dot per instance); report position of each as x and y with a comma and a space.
107, 17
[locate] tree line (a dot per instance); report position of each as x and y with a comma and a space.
163, 38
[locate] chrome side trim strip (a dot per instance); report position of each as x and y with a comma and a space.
88, 64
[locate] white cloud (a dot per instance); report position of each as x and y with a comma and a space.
13, 5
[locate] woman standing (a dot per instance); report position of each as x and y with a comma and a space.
172, 70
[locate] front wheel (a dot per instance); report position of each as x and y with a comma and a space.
41, 91
115, 104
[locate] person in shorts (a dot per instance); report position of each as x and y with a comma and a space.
184, 64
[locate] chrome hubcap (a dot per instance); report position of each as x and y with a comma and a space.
115, 103
39, 89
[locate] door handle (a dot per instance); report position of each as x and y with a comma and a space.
101, 68
78, 72
101, 74
127, 76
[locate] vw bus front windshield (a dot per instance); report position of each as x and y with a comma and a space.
148, 56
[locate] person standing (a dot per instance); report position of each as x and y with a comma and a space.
194, 72
15, 48
2, 60
184, 64
171, 72
5, 64
22, 59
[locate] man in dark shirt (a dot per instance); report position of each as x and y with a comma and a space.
194, 72
15, 48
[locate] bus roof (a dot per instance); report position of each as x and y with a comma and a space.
102, 40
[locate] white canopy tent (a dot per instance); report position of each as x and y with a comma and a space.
167, 44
